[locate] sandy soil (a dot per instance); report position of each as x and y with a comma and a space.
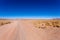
8, 31
26, 30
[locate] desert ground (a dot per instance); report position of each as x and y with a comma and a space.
30, 29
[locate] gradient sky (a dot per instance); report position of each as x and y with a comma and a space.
20, 8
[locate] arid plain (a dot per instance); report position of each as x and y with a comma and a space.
29, 29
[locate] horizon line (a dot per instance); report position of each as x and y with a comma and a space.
26, 17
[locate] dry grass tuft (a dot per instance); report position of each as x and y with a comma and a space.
46, 23
3, 22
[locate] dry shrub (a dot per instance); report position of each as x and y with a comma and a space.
39, 24
3, 22
47, 23
55, 24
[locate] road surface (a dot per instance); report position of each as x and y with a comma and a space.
25, 30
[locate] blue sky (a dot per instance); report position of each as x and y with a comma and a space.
29, 8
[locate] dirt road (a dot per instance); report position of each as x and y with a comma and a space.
25, 30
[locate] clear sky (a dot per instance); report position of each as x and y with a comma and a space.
29, 8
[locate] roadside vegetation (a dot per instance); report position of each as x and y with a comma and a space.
46, 23
3, 22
